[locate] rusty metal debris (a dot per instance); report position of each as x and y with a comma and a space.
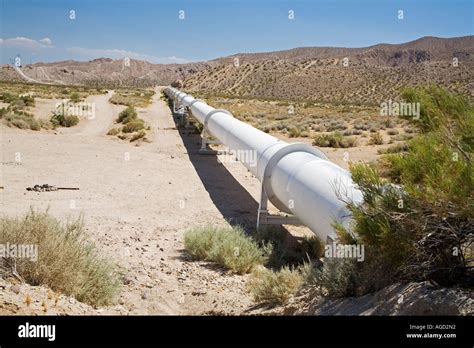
46, 187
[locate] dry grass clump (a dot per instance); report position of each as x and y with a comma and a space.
67, 262
227, 246
375, 139
274, 288
334, 140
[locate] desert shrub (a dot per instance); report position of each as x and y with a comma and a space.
75, 97
334, 140
336, 125
334, 278
113, 131
227, 246
67, 262
274, 288
60, 120
70, 120
419, 226
438, 107
133, 126
27, 100
139, 135
375, 139
22, 121
294, 132
127, 115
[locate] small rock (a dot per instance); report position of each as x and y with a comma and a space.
197, 293
121, 301
126, 280
15, 288
144, 295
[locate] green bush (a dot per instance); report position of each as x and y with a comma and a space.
229, 247
66, 262
28, 100
75, 97
60, 120
419, 226
127, 115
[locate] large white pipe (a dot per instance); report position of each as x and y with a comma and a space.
299, 178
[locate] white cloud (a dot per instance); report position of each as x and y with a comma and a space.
120, 54
25, 42
46, 41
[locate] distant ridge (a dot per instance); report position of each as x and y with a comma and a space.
355, 75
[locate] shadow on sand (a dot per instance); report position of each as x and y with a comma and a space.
228, 195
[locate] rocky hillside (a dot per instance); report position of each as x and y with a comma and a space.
329, 74
354, 75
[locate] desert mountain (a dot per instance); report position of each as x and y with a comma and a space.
104, 71
329, 74
354, 75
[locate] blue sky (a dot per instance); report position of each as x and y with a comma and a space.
41, 30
